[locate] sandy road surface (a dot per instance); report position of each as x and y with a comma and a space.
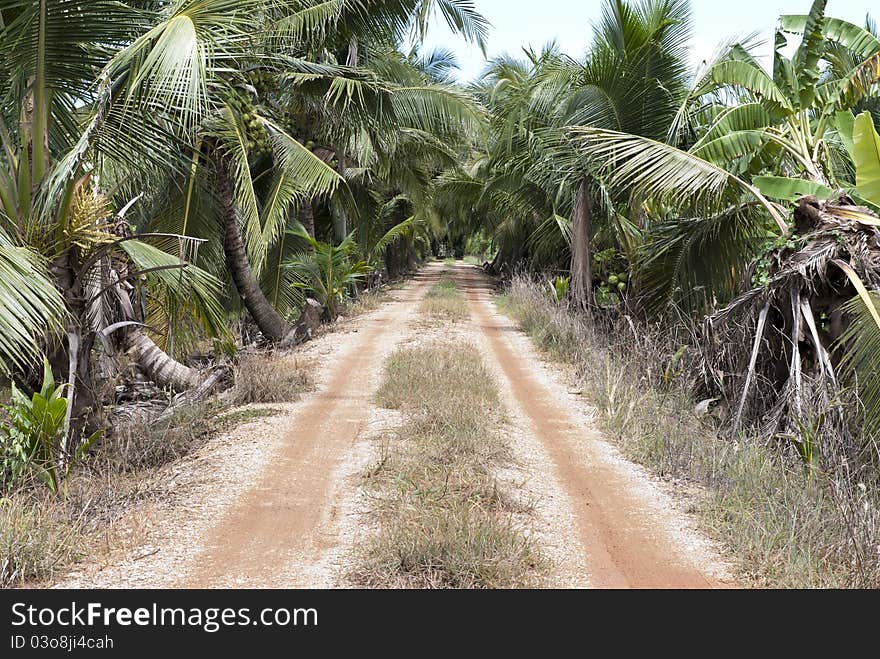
277, 503
631, 534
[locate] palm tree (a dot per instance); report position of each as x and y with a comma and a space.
777, 140
358, 116
546, 190
770, 138
83, 106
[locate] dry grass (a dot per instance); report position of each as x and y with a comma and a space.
42, 534
444, 521
365, 302
784, 529
270, 378
144, 443
37, 537
444, 301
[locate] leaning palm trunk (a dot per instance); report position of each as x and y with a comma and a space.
153, 362
157, 365
581, 236
270, 322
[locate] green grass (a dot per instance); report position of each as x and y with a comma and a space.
444, 522
781, 528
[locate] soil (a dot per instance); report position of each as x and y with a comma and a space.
278, 502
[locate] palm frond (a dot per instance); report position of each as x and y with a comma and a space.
31, 308
182, 284
662, 171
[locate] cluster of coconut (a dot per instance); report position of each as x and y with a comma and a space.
257, 138
617, 280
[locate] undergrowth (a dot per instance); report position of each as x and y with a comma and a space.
784, 526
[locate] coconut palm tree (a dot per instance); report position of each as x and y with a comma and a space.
284, 94
632, 79
771, 138
83, 83
768, 137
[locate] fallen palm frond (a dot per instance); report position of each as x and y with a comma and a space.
801, 307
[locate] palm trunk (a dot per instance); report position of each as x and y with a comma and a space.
157, 365
73, 356
308, 217
340, 221
271, 324
581, 236
153, 362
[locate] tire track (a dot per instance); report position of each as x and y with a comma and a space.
281, 526
628, 530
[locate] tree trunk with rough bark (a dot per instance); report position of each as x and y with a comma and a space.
581, 285
308, 217
81, 397
270, 322
340, 220
157, 365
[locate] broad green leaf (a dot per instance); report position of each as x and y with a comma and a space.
48, 378
790, 189
844, 121
753, 78
851, 36
866, 155
727, 148
808, 54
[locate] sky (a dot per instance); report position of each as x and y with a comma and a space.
517, 23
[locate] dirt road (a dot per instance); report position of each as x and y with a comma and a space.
278, 504
627, 528
279, 523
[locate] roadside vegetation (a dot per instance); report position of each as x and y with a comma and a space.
42, 533
443, 519
269, 378
188, 190
702, 243
184, 185
785, 521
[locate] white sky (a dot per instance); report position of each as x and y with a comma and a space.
517, 23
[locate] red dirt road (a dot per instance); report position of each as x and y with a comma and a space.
624, 542
277, 525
